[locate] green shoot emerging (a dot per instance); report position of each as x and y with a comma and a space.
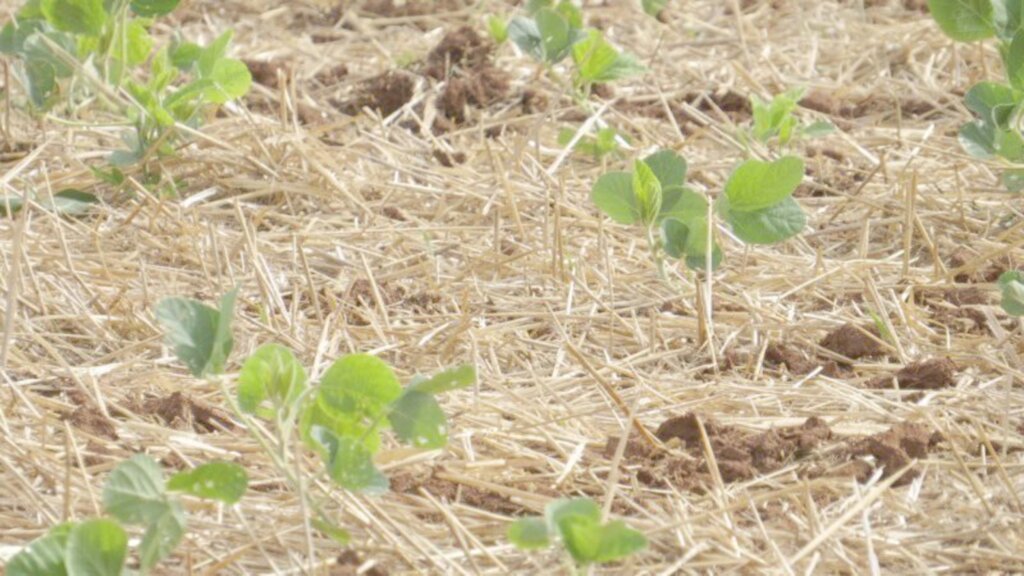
576, 523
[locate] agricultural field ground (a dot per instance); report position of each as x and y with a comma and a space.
852, 404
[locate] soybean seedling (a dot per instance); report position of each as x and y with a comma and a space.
341, 419
77, 51
551, 32
576, 524
774, 121
996, 131
756, 204
135, 494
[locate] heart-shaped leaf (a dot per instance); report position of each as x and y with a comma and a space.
767, 225
529, 534
964, 20
418, 420
613, 194
755, 185
200, 335
134, 491
222, 481
96, 548
669, 167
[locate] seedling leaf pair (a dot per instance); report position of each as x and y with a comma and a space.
758, 201
577, 524
135, 494
775, 119
636, 197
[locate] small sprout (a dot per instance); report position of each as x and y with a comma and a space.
1011, 284
200, 335
576, 523
775, 119
605, 142
498, 29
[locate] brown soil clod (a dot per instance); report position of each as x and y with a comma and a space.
88, 418
928, 375
266, 72
386, 93
854, 342
894, 449
777, 354
179, 410
449, 159
968, 267
463, 48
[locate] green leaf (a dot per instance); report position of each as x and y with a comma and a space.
556, 37
452, 379
683, 203
222, 481
76, 16
498, 29
994, 103
214, 53
669, 167
134, 492
44, 556
819, 129
42, 82
767, 225
978, 139
598, 61
1008, 16
360, 385
184, 55
349, 463
556, 511
154, 7
272, 371
524, 33
162, 536
613, 194
134, 45
529, 534
96, 548
231, 79
689, 239
1011, 284
418, 420
647, 190
13, 36
618, 541
653, 8
339, 535
199, 334
1013, 61
71, 202
964, 20
755, 185
582, 538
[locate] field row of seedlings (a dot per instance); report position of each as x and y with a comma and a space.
490, 287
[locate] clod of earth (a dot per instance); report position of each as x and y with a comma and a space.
854, 342
927, 375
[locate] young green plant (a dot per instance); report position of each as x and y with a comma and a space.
996, 131
341, 419
136, 494
75, 51
757, 205
576, 524
775, 121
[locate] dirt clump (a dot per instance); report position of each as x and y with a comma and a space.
449, 159
893, 449
349, 562
463, 48
179, 410
778, 354
854, 342
89, 418
933, 374
386, 93
740, 455
968, 267
463, 61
